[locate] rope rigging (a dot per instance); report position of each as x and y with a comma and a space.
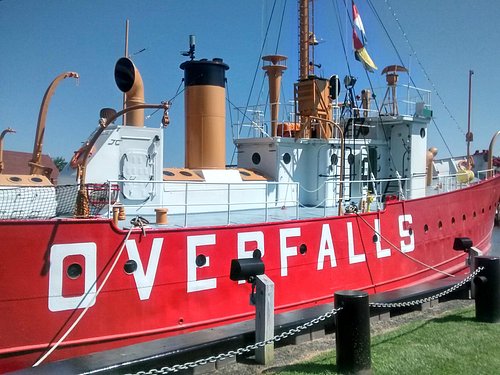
414, 53
137, 222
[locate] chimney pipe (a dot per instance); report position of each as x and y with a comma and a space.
274, 72
205, 113
129, 80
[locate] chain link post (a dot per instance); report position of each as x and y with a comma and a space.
487, 289
353, 332
264, 319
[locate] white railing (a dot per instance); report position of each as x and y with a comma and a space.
207, 198
250, 121
265, 201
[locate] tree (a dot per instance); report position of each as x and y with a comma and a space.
60, 162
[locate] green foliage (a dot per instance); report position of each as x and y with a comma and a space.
452, 344
60, 162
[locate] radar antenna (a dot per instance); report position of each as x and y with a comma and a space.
190, 53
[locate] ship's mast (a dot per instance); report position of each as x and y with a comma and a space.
469, 136
312, 93
303, 39
124, 118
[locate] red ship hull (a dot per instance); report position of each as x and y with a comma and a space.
308, 260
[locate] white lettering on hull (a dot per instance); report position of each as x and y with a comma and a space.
144, 277
381, 253
286, 251
353, 257
144, 280
406, 247
193, 284
326, 248
57, 301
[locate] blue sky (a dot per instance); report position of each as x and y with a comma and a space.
41, 39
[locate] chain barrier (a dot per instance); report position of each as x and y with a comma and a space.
233, 353
431, 298
283, 335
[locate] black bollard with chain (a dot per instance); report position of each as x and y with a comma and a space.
353, 332
487, 289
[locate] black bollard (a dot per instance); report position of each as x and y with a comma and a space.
487, 289
353, 332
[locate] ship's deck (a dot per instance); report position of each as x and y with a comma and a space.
235, 217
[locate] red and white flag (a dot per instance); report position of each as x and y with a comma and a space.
359, 40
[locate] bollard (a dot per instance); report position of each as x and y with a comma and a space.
116, 213
353, 332
487, 289
161, 216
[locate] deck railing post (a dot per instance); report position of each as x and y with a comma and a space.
185, 204
353, 332
228, 203
264, 318
266, 213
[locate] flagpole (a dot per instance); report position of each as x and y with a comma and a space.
126, 55
469, 136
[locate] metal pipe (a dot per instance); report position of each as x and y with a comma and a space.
34, 163
490, 154
129, 80
8, 130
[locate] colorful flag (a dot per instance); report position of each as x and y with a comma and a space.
359, 39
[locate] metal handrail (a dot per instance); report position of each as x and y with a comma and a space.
225, 186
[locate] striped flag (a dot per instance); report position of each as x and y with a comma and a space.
359, 39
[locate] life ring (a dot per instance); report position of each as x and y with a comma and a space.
77, 158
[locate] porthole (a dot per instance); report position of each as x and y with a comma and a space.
168, 173
257, 254
74, 271
287, 158
14, 179
422, 133
410, 231
303, 249
364, 130
130, 266
474, 214
375, 238
426, 228
334, 159
186, 173
440, 224
201, 260
464, 217
36, 179
256, 158
244, 173
453, 219
482, 211
350, 159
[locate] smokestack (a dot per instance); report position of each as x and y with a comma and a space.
129, 80
274, 72
205, 113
